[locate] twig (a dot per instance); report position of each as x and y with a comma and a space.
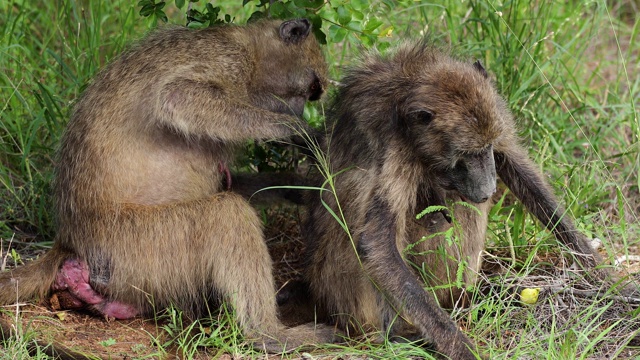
3, 266
589, 294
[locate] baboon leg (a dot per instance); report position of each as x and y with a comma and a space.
215, 246
243, 274
402, 291
186, 254
234, 255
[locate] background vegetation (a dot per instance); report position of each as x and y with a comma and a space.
569, 71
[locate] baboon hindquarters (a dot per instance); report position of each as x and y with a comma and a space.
190, 248
194, 251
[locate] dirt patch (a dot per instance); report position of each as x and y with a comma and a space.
87, 334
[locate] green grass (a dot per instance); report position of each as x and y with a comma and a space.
47, 55
569, 71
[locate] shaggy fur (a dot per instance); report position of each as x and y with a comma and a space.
409, 130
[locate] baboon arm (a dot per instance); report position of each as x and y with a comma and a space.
519, 173
205, 109
388, 271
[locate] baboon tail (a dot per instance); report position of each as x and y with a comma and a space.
31, 280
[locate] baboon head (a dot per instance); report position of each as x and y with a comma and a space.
453, 116
282, 80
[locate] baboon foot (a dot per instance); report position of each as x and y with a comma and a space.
74, 292
297, 338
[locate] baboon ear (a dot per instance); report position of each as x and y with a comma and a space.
478, 66
295, 31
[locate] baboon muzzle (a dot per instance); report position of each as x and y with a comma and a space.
474, 176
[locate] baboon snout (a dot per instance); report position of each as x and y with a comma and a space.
484, 194
475, 176
478, 191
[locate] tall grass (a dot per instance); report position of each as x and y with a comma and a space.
569, 71
48, 52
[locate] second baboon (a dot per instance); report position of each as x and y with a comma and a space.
409, 130
145, 218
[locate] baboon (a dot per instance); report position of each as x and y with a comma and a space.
413, 129
145, 216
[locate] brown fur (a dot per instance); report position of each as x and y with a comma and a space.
413, 129
139, 192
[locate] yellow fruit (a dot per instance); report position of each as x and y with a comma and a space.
529, 295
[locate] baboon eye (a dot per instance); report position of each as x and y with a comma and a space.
424, 116
315, 90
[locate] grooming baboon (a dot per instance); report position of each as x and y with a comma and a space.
410, 130
144, 216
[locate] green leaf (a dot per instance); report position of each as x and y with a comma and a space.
372, 24
462, 265
161, 15
337, 33
108, 342
383, 46
316, 21
344, 16
390, 4
320, 35
293, 11
212, 9
277, 10
147, 10
179, 4
359, 4
313, 4
256, 16
357, 15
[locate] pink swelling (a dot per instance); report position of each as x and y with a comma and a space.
73, 277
